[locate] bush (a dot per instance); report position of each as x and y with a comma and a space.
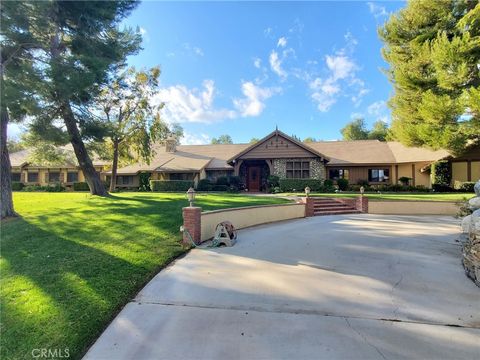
363, 183
441, 175
342, 184
220, 188
81, 186
466, 186
144, 179
47, 188
234, 181
17, 186
273, 181
441, 188
170, 185
404, 180
300, 185
222, 180
204, 185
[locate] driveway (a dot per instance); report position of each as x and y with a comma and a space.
334, 287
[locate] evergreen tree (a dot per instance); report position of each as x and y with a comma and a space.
379, 131
73, 46
433, 48
223, 139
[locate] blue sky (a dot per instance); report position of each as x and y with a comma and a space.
242, 68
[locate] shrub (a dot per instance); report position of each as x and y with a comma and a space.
363, 183
170, 185
220, 188
441, 188
342, 184
440, 174
222, 180
144, 179
47, 188
300, 184
404, 180
466, 186
273, 181
17, 186
80, 186
204, 185
234, 181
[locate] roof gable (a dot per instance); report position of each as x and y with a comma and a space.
277, 145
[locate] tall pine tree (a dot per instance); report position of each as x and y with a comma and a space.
433, 48
73, 46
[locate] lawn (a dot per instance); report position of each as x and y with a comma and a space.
398, 196
71, 261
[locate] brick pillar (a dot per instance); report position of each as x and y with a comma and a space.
192, 223
362, 204
309, 206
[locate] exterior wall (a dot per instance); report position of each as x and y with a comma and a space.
475, 170
43, 178
134, 184
459, 171
422, 179
317, 167
358, 173
413, 207
215, 174
249, 216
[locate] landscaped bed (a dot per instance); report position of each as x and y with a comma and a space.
71, 261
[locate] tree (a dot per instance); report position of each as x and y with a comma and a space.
133, 122
223, 139
73, 46
253, 140
309, 139
355, 130
432, 48
379, 131
14, 145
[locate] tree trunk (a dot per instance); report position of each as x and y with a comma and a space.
5, 175
113, 180
91, 176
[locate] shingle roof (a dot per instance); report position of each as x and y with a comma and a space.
22, 157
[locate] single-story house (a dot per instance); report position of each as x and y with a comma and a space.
278, 154
67, 172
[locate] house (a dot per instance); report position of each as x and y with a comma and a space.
276, 154
67, 172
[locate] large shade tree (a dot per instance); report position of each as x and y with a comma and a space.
128, 108
73, 46
433, 49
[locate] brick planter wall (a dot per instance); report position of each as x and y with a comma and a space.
192, 224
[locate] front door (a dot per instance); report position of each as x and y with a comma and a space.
253, 183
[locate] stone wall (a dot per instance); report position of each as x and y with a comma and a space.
317, 168
471, 244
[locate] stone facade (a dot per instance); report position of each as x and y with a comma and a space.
471, 245
317, 168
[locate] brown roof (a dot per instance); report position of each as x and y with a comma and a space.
22, 157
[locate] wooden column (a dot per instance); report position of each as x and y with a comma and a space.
413, 174
469, 170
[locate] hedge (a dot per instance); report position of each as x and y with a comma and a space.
81, 186
46, 188
467, 186
300, 184
170, 185
17, 186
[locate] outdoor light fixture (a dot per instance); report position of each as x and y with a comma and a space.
191, 196
362, 190
307, 191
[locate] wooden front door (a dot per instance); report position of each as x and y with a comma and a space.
253, 176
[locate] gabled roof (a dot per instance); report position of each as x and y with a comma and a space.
286, 137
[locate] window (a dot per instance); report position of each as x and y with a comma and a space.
378, 175
336, 174
16, 177
298, 170
32, 177
72, 177
54, 176
125, 180
181, 176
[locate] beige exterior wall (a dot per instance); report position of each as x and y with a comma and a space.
413, 207
475, 170
43, 178
249, 216
422, 178
459, 171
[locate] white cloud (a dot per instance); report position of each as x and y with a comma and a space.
341, 78
276, 65
257, 62
268, 32
282, 42
194, 139
194, 50
253, 102
377, 108
377, 10
191, 105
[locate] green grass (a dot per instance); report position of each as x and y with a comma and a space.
71, 261
399, 196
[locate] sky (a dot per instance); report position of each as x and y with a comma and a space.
244, 68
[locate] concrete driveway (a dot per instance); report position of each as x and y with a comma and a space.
335, 287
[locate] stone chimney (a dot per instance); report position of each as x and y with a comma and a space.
171, 144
